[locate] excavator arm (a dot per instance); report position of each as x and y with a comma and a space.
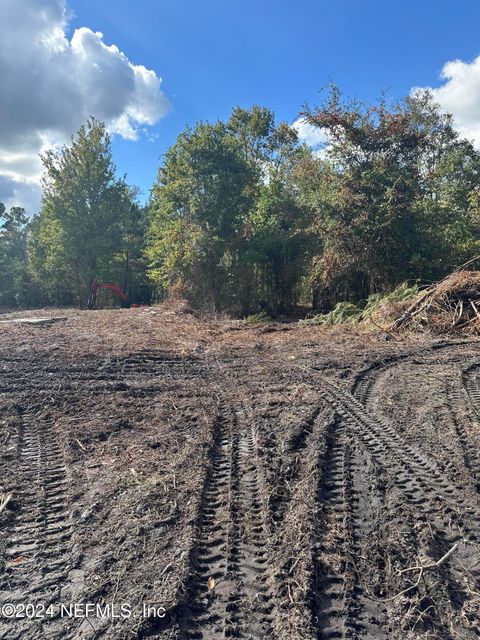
92, 299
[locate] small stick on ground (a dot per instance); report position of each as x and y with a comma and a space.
5, 502
420, 568
433, 564
80, 444
475, 308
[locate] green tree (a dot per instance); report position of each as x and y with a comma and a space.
47, 261
400, 171
225, 219
15, 286
198, 205
273, 254
81, 230
132, 259
453, 207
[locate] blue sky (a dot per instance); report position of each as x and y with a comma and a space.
213, 55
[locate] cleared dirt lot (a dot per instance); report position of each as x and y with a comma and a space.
327, 480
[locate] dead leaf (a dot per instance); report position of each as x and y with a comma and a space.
211, 583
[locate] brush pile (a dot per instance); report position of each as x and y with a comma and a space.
379, 307
450, 306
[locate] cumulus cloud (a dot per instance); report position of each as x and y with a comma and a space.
311, 135
460, 95
51, 83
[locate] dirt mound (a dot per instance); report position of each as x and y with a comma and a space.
450, 306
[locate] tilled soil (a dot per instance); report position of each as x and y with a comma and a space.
274, 482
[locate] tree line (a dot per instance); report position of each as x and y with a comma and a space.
244, 217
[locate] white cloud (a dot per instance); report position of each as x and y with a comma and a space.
460, 96
308, 133
20, 193
50, 84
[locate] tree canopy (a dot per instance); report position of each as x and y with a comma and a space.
90, 225
243, 217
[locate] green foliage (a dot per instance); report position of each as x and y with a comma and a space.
15, 284
343, 313
349, 313
244, 218
402, 292
394, 197
202, 193
398, 205
261, 317
89, 225
224, 220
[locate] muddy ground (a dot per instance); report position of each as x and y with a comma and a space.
243, 482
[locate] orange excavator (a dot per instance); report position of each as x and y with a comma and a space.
95, 286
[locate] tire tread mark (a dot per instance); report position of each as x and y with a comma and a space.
38, 548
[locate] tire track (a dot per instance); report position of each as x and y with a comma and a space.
440, 502
363, 384
108, 375
340, 608
342, 604
472, 389
455, 402
423, 484
207, 612
450, 520
365, 380
368, 617
231, 545
38, 549
249, 518
330, 617
363, 389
